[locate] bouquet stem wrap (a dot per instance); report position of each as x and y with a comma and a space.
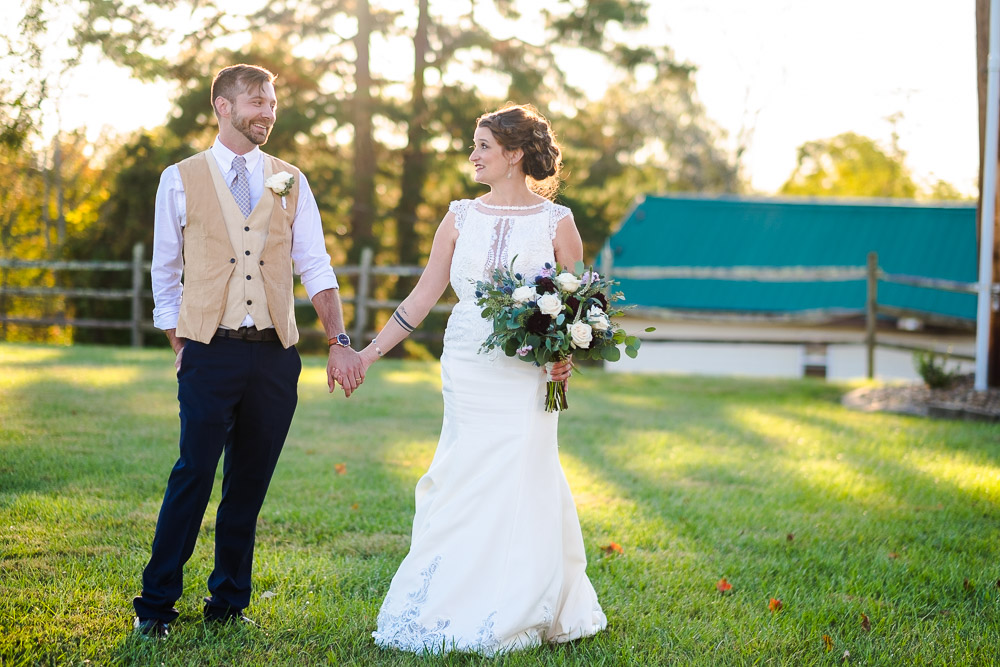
555, 392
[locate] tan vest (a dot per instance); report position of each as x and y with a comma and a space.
235, 265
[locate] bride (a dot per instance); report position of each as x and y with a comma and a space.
496, 558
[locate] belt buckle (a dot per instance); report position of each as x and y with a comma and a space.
243, 331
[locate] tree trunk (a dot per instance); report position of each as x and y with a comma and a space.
982, 55
363, 210
414, 159
60, 195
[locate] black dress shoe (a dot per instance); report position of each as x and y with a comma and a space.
222, 619
215, 614
151, 627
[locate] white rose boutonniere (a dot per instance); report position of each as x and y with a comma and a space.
567, 282
281, 184
550, 305
581, 333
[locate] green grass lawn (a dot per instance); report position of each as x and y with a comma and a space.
770, 484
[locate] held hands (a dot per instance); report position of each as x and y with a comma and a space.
345, 368
368, 356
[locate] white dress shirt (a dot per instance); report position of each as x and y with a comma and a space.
309, 256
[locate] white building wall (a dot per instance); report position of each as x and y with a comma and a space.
843, 361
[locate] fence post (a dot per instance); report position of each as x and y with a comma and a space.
138, 250
361, 295
871, 313
607, 257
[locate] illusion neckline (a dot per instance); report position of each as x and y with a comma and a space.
493, 207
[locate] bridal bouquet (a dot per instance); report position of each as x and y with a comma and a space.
548, 317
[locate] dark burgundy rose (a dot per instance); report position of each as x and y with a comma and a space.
538, 322
573, 304
603, 300
545, 285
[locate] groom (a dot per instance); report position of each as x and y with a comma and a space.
236, 222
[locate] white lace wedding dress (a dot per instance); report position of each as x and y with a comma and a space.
496, 559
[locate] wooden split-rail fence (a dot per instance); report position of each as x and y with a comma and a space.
366, 273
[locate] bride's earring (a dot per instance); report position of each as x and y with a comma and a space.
509, 168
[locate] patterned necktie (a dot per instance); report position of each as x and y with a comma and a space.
240, 187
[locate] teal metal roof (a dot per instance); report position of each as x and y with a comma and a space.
934, 240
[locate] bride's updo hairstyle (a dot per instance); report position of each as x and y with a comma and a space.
522, 126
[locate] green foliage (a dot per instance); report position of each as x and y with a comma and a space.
770, 484
850, 165
647, 134
23, 86
932, 368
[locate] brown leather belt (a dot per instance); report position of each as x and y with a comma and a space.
249, 334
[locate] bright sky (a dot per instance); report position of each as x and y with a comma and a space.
789, 70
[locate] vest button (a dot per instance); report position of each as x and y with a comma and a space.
246, 229
232, 260
248, 277
262, 262
247, 252
249, 302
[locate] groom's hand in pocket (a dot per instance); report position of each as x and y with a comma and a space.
177, 344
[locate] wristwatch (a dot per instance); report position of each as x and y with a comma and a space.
340, 339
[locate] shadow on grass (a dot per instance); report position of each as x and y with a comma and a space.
698, 478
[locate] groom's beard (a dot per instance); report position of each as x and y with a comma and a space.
244, 126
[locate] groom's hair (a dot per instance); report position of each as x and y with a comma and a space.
230, 81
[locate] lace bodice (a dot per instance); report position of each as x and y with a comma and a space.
489, 238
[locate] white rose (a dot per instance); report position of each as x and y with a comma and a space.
550, 305
567, 282
582, 333
524, 294
598, 319
280, 183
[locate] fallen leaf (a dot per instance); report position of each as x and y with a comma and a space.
827, 643
893, 555
267, 594
355, 506
723, 586
613, 548
998, 583
774, 604
967, 585
340, 468
866, 625
790, 537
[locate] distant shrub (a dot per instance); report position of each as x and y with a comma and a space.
932, 368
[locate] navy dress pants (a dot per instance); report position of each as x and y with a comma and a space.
236, 397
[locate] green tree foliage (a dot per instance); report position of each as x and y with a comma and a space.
640, 138
850, 165
49, 194
22, 87
386, 151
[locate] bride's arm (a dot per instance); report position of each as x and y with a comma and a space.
428, 290
568, 249
567, 245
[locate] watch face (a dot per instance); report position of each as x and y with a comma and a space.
344, 339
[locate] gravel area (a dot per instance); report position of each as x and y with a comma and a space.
959, 401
